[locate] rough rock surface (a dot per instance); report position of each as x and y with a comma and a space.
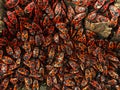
101, 29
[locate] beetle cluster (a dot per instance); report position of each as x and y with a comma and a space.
46, 40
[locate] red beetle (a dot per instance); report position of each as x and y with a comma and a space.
13, 80
78, 17
29, 8
114, 21
50, 12
101, 18
74, 65
27, 56
44, 4
92, 15
24, 35
17, 52
19, 11
56, 38
11, 3
112, 45
23, 2
80, 9
3, 42
99, 4
12, 17
4, 84
58, 9
105, 7
28, 81
114, 11
49, 80
36, 27
35, 85
7, 60
53, 72
10, 27
69, 83
96, 85
23, 71
38, 14
9, 50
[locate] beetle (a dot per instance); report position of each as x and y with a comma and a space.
38, 14
57, 19
39, 39
99, 4
29, 8
30, 64
74, 65
49, 80
35, 85
19, 11
46, 21
12, 17
84, 82
112, 45
80, 9
26, 46
58, 9
7, 60
50, 12
27, 56
36, 27
35, 52
24, 35
16, 87
50, 29
112, 82
8, 73
114, 21
53, 72
17, 51
101, 18
5, 83
77, 18
82, 39
44, 4
51, 53
69, 83
13, 80
95, 84
23, 71
88, 74
10, 27
24, 2
32, 40
70, 13
9, 50
11, 3
92, 15
13, 66
61, 25
114, 11
48, 40
3, 68
112, 58
28, 81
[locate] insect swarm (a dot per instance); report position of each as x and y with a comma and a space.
45, 41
